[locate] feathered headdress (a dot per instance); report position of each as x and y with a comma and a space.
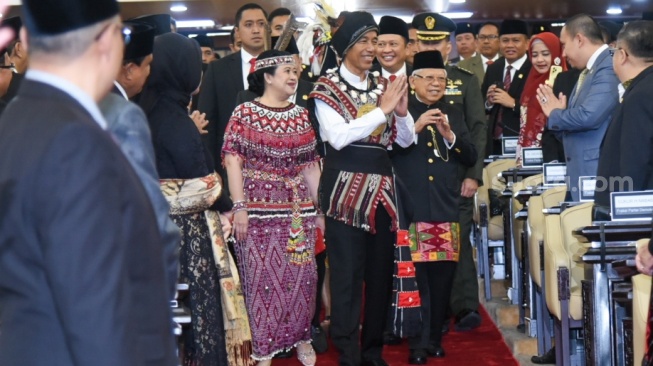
313, 42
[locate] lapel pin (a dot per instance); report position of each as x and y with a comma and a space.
520, 76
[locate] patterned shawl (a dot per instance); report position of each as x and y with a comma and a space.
197, 195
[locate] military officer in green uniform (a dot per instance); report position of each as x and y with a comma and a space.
463, 91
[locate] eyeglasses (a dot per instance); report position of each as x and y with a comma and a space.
490, 37
431, 79
11, 67
612, 51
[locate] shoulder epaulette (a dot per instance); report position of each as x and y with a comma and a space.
463, 70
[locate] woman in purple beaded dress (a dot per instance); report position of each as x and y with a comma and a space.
272, 165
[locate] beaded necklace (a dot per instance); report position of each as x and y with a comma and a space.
361, 97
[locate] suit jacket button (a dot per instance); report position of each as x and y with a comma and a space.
431, 161
429, 144
568, 158
431, 178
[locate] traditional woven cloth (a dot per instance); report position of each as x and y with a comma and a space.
435, 241
190, 201
356, 195
277, 260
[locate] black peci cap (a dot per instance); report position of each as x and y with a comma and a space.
392, 25
53, 17
462, 28
433, 26
513, 26
141, 41
428, 60
160, 22
204, 41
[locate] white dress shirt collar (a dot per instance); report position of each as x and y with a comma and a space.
595, 55
386, 74
485, 59
352, 78
519, 63
121, 89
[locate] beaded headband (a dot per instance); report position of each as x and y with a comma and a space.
274, 61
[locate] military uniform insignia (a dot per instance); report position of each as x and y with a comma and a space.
464, 70
452, 87
305, 97
429, 22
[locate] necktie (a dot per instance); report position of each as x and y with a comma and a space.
579, 83
498, 127
392, 78
252, 61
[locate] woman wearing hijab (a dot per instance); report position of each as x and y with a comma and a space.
545, 52
272, 163
220, 332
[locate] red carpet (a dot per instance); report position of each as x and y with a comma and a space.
483, 346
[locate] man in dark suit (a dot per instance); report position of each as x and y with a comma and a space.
504, 82
626, 158
583, 120
227, 76
79, 243
463, 92
304, 87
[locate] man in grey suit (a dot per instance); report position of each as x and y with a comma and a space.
82, 276
127, 123
583, 121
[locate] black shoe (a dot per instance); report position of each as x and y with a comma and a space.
377, 362
435, 351
467, 320
319, 343
284, 354
548, 358
391, 339
417, 357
